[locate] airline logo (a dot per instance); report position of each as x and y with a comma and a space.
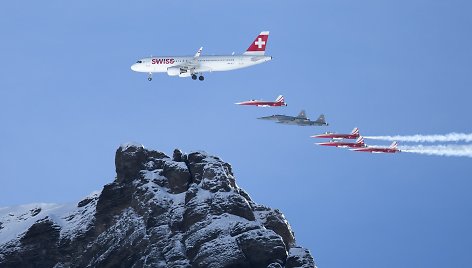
163, 61
260, 43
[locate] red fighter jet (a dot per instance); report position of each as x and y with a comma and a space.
375, 149
280, 101
358, 144
330, 135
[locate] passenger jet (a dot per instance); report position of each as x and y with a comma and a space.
280, 101
193, 66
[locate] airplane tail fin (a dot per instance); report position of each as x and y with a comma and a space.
321, 119
302, 114
355, 131
394, 145
258, 47
360, 140
280, 98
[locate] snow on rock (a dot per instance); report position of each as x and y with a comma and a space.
184, 211
71, 219
17, 220
299, 257
127, 145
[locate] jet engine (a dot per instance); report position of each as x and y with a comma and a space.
173, 71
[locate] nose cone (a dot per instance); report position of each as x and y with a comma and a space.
134, 67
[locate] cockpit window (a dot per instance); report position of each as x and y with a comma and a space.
139, 61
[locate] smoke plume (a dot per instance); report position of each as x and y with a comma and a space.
441, 150
451, 137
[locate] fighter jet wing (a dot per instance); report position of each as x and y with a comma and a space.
286, 122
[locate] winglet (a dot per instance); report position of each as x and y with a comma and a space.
198, 53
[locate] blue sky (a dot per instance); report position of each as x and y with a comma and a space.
69, 100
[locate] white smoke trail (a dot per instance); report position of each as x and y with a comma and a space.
441, 150
425, 138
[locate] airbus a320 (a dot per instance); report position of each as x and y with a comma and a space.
195, 66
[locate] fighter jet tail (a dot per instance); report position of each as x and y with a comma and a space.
321, 120
302, 114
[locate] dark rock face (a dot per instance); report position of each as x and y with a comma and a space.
184, 211
40, 240
299, 257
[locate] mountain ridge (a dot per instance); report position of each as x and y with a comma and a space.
160, 211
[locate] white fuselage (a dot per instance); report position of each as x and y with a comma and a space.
188, 65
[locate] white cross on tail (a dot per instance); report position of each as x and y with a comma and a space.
259, 43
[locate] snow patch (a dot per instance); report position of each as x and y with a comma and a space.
127, 145
71, 219
17, 220
160, 193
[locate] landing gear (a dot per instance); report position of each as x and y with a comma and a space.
150, 77
200, 77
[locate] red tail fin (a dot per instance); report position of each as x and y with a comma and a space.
355, 131
259, 45
280, 98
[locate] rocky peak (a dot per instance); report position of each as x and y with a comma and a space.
160, 211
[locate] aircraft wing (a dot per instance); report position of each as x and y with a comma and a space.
287, 122
192, 64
